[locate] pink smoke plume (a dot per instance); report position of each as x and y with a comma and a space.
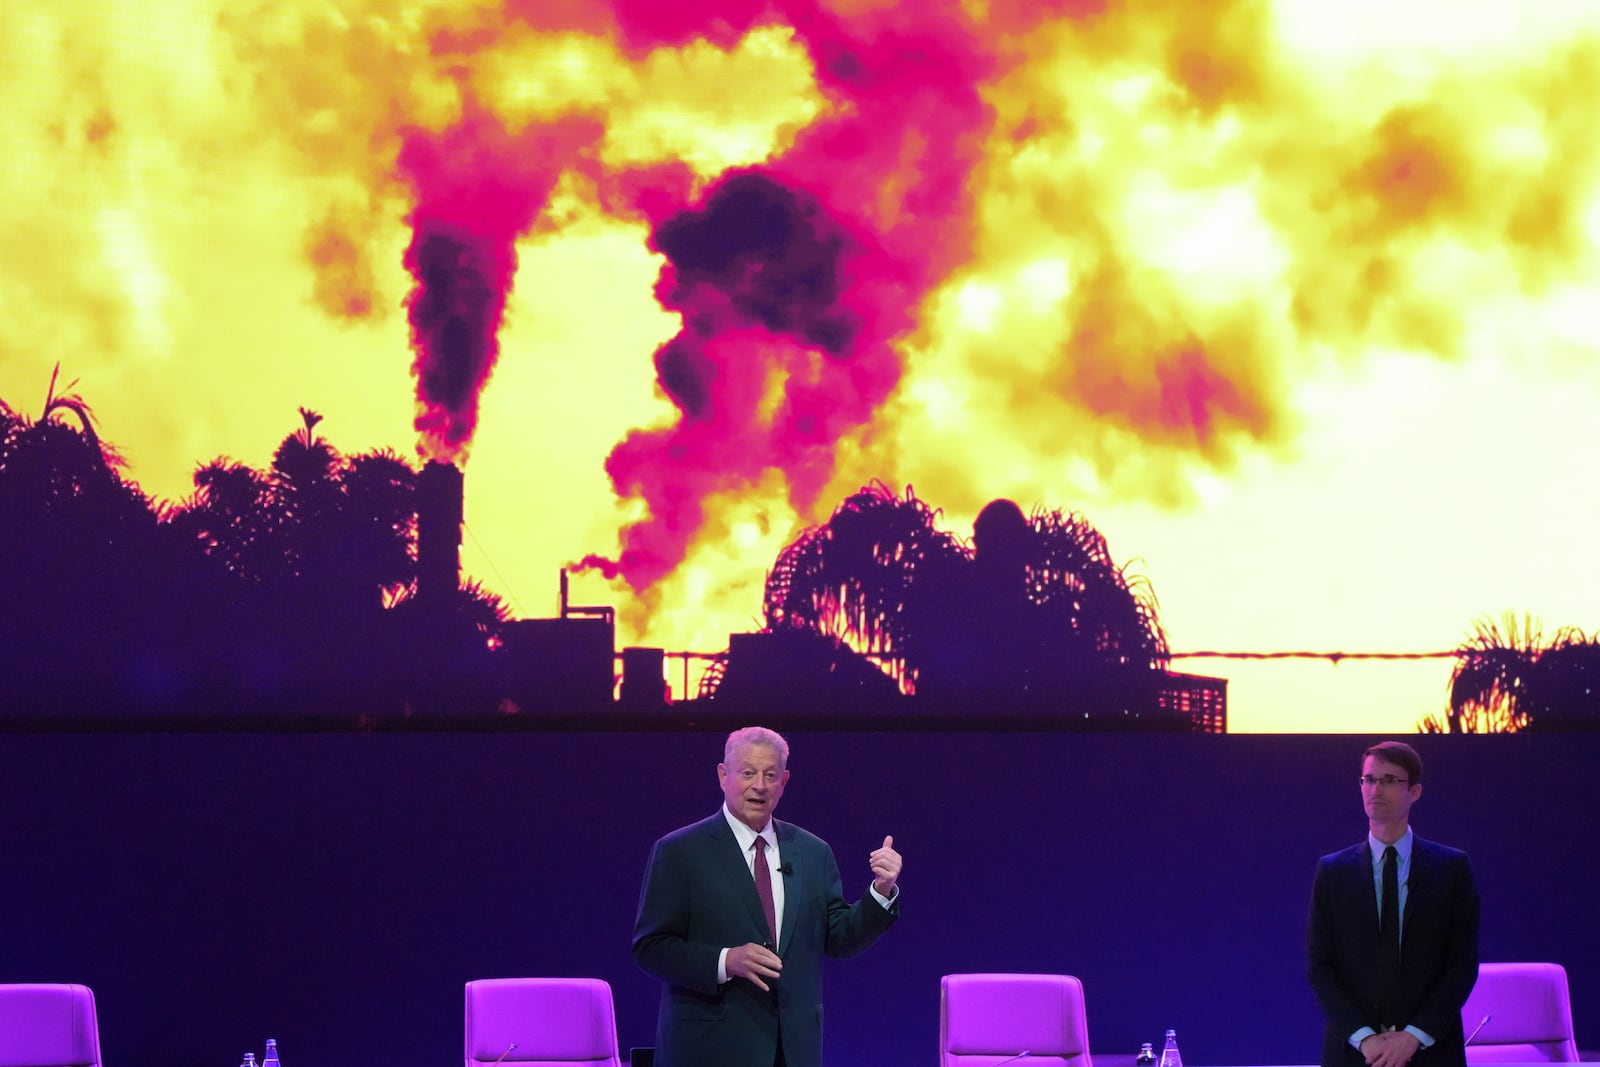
478, 187
795, 277
803, 271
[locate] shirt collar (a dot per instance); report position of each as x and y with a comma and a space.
746, 836
1402, 849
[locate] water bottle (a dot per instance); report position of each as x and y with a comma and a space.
270, 1057
1147, 1055
1170, 1056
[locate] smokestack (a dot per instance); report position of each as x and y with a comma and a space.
439, 515
644, 677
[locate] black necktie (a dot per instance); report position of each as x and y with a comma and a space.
763, 874
1389, 928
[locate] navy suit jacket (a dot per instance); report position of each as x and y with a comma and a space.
699, 898
1438, 950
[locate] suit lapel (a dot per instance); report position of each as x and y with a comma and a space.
792, 885
1417, 884
730, 861
1363, 887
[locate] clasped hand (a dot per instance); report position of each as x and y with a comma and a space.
1393, 1049
753, 962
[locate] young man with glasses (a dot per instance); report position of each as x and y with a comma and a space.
1392, 937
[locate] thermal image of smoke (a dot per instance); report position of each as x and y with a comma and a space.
1273, 293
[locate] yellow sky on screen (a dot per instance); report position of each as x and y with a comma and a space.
1295, 302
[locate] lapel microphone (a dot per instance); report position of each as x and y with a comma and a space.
786, 869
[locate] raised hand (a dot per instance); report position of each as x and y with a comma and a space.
885, 865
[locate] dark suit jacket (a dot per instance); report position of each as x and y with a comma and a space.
1438, 950
698, 898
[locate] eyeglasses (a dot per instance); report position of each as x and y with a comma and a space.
1386, 780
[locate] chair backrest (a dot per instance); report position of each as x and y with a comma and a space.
1529, 1013
552, 1022
985, 1018
48, 1026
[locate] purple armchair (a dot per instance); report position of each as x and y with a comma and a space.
541, 1022
986, 1019
48, 1026
1528, 1012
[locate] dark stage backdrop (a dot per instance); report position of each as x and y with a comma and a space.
336, 890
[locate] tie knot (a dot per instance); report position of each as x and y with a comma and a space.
1390, 854
761, 845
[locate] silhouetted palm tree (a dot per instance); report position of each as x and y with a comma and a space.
325, 545
1035, 609
852, 578
231, 514
45, 463
477, 611
338, 530
1566, 688
265, 589
1109, 612
85, 568
1507, 677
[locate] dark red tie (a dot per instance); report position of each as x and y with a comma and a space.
763, 873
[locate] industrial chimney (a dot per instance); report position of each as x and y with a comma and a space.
439, 516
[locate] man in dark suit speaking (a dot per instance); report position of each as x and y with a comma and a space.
1392, 938
736, 913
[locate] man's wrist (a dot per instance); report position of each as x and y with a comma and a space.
1424, 1039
